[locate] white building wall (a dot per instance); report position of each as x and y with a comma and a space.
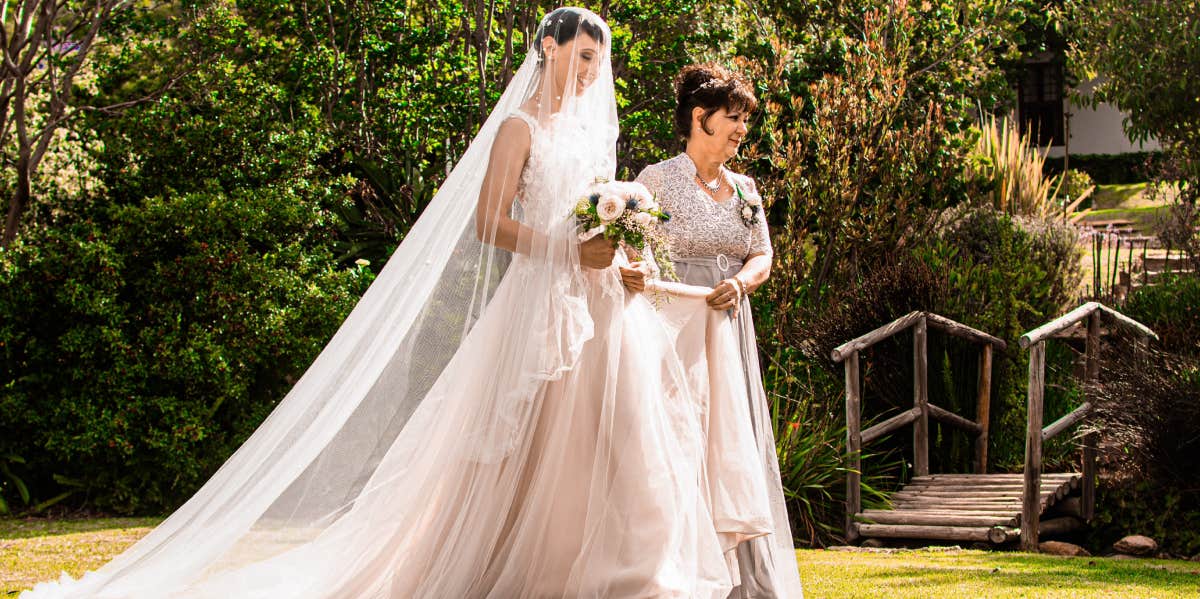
1098, 131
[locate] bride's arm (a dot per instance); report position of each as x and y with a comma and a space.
493, 223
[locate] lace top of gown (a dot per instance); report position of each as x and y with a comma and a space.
563, 159
699, 225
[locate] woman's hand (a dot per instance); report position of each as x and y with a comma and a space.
724, 296
634, 276
597, 252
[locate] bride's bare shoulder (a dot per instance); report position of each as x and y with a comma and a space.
514, 134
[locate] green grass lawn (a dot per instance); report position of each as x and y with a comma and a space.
1140, 213
1132, 201
969, 574
33, 550
37, 549
1131, 195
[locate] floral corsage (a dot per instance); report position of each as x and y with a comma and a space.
751, 206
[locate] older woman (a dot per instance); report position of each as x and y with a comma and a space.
718, 238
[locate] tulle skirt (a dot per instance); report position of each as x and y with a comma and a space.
767, 564
633, 469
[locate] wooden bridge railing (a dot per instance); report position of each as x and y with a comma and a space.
1036, 435
919, 415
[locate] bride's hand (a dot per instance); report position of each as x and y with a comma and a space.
597, 252
724, 296
634, 276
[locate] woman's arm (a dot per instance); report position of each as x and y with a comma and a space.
493, 223
754, 273
756, 268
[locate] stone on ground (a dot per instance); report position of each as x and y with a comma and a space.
1062, 548
1136, 545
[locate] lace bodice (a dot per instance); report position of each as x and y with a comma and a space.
700, 226
564, 157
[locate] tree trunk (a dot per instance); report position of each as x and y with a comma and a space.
17, 203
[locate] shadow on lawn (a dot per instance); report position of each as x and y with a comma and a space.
26, 528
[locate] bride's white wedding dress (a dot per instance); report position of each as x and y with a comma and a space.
486, 425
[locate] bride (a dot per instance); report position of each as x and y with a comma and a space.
498, 417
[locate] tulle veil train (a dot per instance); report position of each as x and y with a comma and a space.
485, 423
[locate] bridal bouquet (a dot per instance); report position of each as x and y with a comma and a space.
627, 213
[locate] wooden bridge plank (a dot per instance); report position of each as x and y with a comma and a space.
985, 491
920, 519
961, 512
994, 488
941, 533
971, 493
984, 485
1004, 476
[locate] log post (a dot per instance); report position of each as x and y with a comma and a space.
983, 409
921, 398
1031, 500
853, 446
1090, 440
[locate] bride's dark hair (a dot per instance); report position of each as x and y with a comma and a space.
564, 25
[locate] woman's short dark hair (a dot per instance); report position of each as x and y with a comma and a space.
711, 87
564, 25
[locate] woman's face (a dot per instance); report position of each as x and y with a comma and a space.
728, 126
574, 64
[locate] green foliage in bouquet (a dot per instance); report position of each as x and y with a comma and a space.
626, 213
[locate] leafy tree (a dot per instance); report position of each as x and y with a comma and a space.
47, 48
868, 117
1146, 59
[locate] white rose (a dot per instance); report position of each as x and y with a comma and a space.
753, 199
610, 208
747, 213
643, 219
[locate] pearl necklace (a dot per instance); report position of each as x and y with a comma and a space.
716, 184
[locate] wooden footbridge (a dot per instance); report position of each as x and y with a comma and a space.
981, 507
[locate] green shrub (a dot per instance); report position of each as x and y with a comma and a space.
1010, 165
1169, 515
1111, 169
810, 442
1074, 183
1006, 276
141, 347
1171, 309
1147, 414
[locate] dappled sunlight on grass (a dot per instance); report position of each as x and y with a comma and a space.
1128, 195
39, 549
990, 574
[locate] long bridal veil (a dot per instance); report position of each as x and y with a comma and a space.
395, 429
